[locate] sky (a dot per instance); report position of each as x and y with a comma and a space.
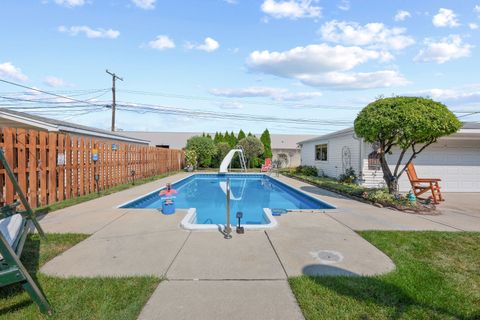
294, 66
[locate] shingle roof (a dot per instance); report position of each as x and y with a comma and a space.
18, 119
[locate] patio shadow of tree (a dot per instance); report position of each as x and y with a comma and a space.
373, 290
31, 260
322, 192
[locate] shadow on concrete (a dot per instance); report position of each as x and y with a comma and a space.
374, 290
321, 192
325, 270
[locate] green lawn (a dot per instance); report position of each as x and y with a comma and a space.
101, 193
75, 298
437, 276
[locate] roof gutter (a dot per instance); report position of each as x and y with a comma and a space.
99, 134
30, 122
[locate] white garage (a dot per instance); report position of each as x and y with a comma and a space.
454, 159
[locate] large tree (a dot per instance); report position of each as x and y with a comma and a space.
204, 148
252, 147
267, 144
410, 124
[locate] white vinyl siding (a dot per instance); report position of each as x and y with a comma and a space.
333, 166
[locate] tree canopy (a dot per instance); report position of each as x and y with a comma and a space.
267, 144
205, 149
409, 123
252, 147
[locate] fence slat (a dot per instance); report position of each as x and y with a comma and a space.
52, 167
68, 167
32, 168
8, 137
43, 168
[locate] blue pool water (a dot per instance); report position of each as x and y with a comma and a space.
250, 193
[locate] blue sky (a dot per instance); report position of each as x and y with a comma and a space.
294, 59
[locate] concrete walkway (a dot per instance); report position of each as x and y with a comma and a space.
209, 277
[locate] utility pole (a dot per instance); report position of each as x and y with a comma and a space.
114, 78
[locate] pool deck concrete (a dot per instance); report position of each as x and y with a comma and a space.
209, 277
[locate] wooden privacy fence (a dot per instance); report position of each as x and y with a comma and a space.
52, 166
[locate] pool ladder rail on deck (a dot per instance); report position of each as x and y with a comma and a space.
228, 229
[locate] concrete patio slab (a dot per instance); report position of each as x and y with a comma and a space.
79, 220
465, 203
91, 216
460, 221
315, 244
206, 300
142, 222
362, 216
207, 255
126, 255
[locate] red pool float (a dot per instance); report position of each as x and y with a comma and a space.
168, 191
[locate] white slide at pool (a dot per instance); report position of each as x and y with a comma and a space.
226, 161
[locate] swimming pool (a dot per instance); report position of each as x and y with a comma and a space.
255, 195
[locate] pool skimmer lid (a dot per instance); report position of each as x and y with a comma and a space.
327, 256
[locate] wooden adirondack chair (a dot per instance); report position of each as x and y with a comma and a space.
423, 185
14, 228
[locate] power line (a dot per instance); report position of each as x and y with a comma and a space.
218, 100
143, 108
46, 92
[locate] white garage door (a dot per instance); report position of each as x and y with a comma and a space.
456, 162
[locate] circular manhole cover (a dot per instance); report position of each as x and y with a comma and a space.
327, 256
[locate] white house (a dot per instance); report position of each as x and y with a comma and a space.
455, 159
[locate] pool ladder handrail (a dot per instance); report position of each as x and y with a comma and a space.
228, 228
243, 163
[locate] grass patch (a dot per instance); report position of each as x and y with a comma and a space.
95, 195
437, 277
74, 298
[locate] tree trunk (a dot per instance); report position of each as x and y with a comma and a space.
390, 179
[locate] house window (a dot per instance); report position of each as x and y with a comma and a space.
321, 152
374, 161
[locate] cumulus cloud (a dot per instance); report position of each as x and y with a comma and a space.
312, 59
476, 9
231, 1
291, 9
161, 42
473, 26
208, 45
89, 32
279, 94
8, 70
448, 48
70, 3
373, 35
145, 4
54, 82
344, 5
445, 18
322, 65
355, 80
402, 15
453, 97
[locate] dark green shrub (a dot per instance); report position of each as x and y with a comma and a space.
307, 170
349, 176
